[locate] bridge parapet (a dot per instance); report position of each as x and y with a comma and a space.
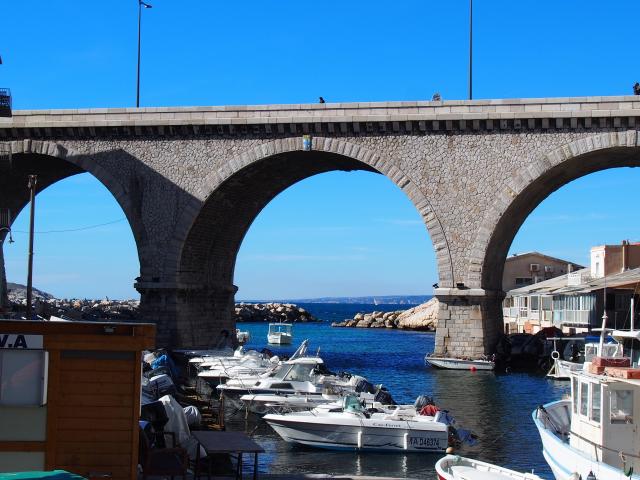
535, 113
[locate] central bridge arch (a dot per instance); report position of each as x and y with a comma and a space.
236, 194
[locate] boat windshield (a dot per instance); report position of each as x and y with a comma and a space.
280, 328
351, 403
299, 372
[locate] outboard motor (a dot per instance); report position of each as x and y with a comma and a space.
364, 386
384, 397
422, 401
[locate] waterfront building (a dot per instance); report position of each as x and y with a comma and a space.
523, 269
577, 300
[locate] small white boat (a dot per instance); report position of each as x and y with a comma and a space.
454, 467
459, 363
353, 427
301, 376
561, 369
280, 333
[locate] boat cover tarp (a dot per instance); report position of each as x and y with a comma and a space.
178, 424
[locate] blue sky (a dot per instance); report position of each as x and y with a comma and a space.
337, 233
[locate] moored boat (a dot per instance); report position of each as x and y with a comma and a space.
455, 467
450, 363
280, 333
594, 434
352, 426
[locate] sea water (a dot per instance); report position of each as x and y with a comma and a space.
496, 407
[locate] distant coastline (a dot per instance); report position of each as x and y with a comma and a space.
372, 300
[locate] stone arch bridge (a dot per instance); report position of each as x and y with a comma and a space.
191, 181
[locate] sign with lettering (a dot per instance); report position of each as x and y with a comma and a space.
20, 342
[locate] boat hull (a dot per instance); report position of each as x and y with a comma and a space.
279, 339
459, 364
563, 459
454, 467
358, 437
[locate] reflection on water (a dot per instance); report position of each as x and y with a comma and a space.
495, 407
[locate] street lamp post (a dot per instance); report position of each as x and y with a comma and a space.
141, 4
33, 180
470, 48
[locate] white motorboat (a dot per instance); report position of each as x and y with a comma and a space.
351, 426
304, 375
450, 363
248, 366
293, 402
455, 467
280, 333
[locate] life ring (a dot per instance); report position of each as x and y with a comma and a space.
555, 355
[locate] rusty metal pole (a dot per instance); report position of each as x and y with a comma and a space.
33, 180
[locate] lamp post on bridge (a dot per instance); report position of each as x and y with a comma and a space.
470, 48
141, 4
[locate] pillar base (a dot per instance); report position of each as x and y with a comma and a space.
187, 316
469, 322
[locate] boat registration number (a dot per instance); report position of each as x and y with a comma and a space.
424, 442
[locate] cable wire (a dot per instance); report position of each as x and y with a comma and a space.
74, 229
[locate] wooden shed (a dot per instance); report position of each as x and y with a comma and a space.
70, 396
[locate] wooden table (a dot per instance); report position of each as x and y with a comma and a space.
227, 442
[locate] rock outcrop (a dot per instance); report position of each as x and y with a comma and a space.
272, 313
422, 317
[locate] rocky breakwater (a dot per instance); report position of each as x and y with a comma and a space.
272, 313
46, 305
423, 317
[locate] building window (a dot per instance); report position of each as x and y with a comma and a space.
535, 302
547, 303
523, 281
621, 402
23, 377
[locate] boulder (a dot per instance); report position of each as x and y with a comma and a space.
422, 317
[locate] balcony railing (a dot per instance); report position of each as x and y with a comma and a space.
5, 102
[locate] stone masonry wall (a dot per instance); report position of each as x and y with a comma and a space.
462, 164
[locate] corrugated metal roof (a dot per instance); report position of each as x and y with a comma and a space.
629, 279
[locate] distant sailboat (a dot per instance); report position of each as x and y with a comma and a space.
375, 301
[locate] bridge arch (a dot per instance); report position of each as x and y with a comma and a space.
234, 195
531, 185
53, 161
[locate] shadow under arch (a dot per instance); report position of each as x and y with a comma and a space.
237, 193
532, 184
53, 162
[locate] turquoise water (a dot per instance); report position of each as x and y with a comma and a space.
495, 407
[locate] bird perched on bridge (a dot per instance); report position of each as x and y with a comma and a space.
636, 89
320, 100
436, 97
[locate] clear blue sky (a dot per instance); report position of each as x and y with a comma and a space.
338, 233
